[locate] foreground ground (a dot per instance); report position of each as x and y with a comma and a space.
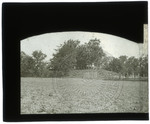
77, 95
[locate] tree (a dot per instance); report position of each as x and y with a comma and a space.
115, 66
90, 53
27, 65
143, 66
38, 58
65, 58
132, 66
95, 52
123, 62
81, 58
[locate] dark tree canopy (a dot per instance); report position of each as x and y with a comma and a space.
32, 65
65, 58
89, 54
27, 65
134, 67
72, 55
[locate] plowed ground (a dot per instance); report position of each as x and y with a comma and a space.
77, 95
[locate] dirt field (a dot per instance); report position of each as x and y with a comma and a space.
76, 95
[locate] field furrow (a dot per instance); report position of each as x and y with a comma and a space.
75, 95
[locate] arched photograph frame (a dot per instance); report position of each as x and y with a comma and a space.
23, 23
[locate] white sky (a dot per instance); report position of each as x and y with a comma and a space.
48, 42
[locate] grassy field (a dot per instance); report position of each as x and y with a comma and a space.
78, 95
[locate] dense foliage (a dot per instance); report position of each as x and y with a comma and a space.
129, 67
72, 55
34, 66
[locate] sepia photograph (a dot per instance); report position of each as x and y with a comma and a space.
83, 72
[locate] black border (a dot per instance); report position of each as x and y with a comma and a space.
22, 20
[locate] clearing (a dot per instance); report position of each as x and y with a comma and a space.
78, 95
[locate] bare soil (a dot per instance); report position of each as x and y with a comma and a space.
78, 95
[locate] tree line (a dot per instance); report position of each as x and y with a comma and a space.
128, 66
72, 55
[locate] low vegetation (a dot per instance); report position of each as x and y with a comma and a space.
76, 95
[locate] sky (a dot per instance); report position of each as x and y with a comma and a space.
47, 43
